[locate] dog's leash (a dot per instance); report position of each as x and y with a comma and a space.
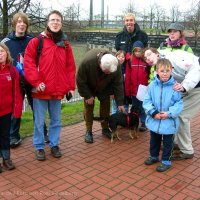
128, 118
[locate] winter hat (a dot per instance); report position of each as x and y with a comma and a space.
138, 44
175, 26
109, 62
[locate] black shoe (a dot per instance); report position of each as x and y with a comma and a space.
182, 156
89, 137
150, 161
107, 132
15, 142
46, 139
8, 164
162, 167
1, 170
142, 128
55, 152
40, 154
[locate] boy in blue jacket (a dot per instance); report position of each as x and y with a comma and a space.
162, 105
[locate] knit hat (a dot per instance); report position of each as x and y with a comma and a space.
175, 26
109, 62
137, 44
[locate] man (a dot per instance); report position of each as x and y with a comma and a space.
17, 41
130, 34
52, 80
124, 41
99, 75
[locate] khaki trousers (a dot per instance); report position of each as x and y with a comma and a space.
104, 112
191, 103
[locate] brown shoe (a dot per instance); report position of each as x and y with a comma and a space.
8, 164
182, 156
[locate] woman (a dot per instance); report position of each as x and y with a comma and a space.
10, 103
186, 71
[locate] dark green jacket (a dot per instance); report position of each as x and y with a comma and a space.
91, 81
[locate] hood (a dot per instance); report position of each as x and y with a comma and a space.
12, 36
171, 81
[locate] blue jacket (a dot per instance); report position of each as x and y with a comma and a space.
162, 97
16, 45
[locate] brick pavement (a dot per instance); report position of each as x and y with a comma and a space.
100, 170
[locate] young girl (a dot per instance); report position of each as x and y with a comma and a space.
121, 57
136, 73
163, 106
10, 103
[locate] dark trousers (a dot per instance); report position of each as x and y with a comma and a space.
5, 122
155, 144
15, 122
104, 113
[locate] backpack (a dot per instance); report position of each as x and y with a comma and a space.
25, 85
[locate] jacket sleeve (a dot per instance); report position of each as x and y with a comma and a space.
82, 83
177, 108
18, 97
30, 68
128, 79
71, 68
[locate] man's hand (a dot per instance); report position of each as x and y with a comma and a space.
121, 109
90, 101
178, 87
40, 87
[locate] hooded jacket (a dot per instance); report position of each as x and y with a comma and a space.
10, 92
124, 40
56, 67
91, 81
162, 98
16, 45
136, 74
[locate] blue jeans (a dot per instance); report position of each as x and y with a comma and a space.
40, 108
115, 109
138, 104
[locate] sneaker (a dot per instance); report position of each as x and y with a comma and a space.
162, 167
150, 161
15, 142
182, 156
55, 152
142, 128
89, 137
107, 132
40, 154
8, 164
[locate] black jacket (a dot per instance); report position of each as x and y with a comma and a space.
124, 40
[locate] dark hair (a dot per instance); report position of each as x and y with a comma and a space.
55, 12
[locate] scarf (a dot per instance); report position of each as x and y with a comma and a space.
177, 43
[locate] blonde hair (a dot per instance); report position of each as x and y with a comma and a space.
9, 59
129, 15
163, 63
21, 15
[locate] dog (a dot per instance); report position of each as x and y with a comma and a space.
129, 120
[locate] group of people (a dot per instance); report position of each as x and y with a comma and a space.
44, 70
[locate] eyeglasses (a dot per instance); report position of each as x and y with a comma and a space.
55, 20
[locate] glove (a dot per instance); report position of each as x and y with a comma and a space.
68, 96
20, 68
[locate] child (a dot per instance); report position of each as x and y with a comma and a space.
10, 103
163, 105
136, 73
121, 57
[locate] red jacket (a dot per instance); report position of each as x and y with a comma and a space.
136, 73
56, 68
11, 99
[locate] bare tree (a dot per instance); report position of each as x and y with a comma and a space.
9, 8
175, 14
